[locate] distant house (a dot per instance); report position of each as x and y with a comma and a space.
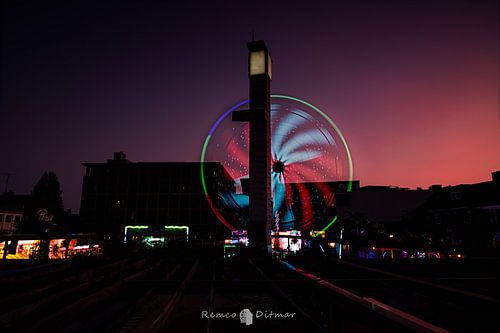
464, 216
377, 215
9, 220
12, 209
385, 204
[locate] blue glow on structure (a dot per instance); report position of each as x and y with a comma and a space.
302, 156
235, 200
313, 137
279, 193
289, 122
290, 266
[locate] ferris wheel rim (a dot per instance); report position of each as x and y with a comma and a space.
274, 96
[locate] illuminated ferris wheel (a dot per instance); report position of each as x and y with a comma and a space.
309, 154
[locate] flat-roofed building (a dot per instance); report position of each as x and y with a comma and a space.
121, 193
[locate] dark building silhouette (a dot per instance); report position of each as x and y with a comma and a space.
462, 217
13, 208
377, 215
385, 205
121, 193
23, 214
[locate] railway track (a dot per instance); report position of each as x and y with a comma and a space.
215, 291
451, 308
195, 293
42, 299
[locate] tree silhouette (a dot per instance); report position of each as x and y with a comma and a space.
47, 193
45, 208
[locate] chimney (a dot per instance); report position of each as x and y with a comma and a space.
119, 156
435, 188
495, 176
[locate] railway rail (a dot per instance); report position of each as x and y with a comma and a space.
165, 291
449, 307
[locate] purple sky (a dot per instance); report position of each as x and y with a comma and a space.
413, 85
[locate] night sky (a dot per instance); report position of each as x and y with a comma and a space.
413, 85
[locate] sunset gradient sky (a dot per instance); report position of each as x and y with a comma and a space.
413, 85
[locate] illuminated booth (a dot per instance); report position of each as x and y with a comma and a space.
55, 248
150, 238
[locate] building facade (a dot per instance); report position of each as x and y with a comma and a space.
13, 208
463, 217
121, 193
9, 221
